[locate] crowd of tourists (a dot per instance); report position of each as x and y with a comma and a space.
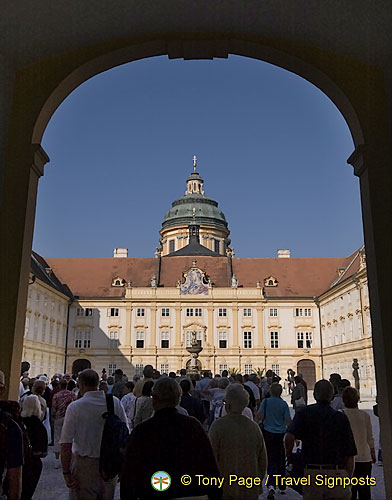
226, 434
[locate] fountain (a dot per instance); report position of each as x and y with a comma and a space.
194, 350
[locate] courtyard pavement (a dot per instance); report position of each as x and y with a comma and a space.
52, 486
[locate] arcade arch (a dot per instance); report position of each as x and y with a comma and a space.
34, 85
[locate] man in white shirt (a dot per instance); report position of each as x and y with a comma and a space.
81, 438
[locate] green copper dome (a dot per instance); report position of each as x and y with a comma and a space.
205, 210
194, 207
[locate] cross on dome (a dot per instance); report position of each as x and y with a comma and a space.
194, 163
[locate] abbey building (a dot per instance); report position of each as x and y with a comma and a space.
249, 314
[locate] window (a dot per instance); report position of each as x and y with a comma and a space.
113, 339
113, 312
300, 340
38, 298
248, 369
308, 340
247, 340
216, 246
164, 368
87, 340
140, 311
165, 311
222, 368
139, 369
188, 339
222, 340
165, 340
274, 340
273, 312
247, 312
222, 311
198, 311
83, 312
82, 339
171, 246
112, 369
139, 340
276, 369
189, 311
300, 311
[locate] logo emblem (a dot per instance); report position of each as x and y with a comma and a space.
160, 480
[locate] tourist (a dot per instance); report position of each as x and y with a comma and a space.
225, 373
202, 386
252, 400
337, 401
129, 403
335, 378
305, 385
363, 434
110, 382
103, 386
238, 446
60, 403
328, 445
182, 375
144, 407
38, 439
81, 438
217, 399
298, 395
11, 451
38, 390
253, 383
119, 384
55, 390
266, 384
274, 414
168, 442
148, 372
191, 404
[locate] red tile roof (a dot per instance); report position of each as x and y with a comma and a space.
297, 277
93, 277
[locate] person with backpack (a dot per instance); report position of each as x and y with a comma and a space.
91, 427
11, 451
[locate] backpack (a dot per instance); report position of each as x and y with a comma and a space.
4, 422
114, 438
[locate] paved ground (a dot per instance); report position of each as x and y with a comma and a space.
51, 485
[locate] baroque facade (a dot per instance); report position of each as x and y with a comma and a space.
249, 314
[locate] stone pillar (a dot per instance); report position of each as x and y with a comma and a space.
178, 326
210, 323
373, 169
260, 327
15, 255
153, 330
128, 326
234, 310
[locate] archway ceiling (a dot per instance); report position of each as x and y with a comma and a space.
356, 29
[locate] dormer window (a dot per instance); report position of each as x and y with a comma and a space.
271, 281
118, 282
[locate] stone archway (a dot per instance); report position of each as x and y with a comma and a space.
43, 64
307, 368
79, 365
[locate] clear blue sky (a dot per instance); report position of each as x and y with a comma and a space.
271, 148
